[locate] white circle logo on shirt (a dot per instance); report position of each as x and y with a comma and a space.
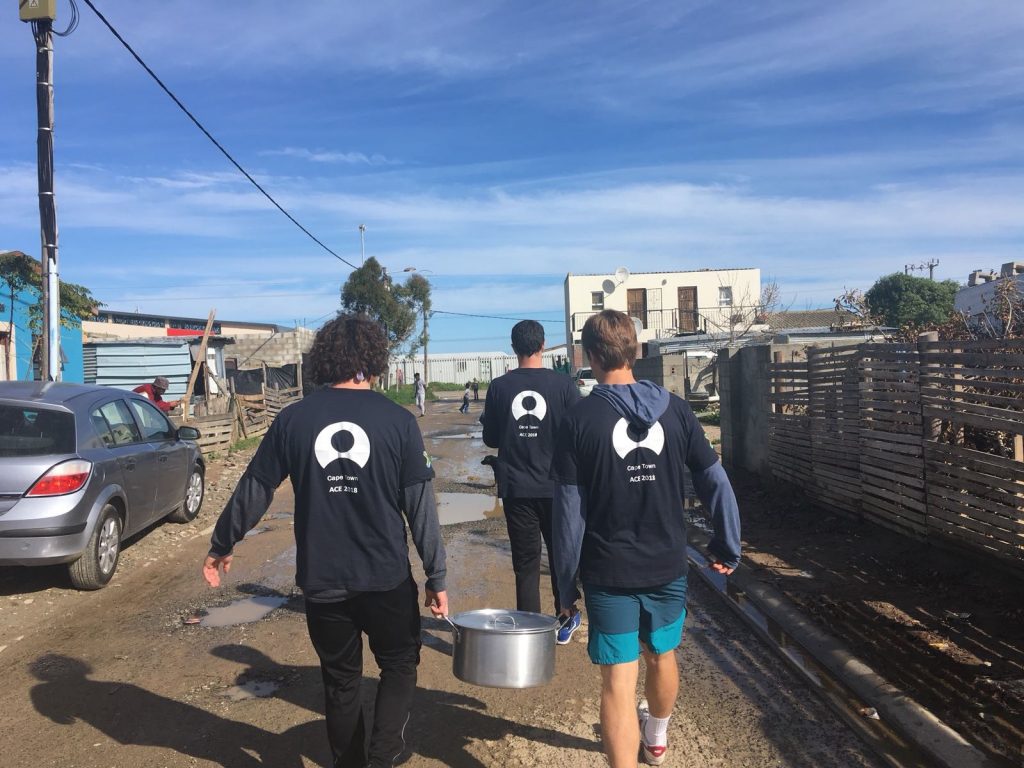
624, 444
326, 452
520, 407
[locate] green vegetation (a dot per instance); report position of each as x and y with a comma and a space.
246, 444
405, 394
712, 417
900, 300
441, 386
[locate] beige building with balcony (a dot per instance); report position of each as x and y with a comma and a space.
664, 303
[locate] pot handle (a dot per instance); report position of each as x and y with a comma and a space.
505, 619
455, 629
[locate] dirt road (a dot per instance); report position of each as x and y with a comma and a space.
119, 677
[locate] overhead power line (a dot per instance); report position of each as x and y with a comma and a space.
208, 135
491, 317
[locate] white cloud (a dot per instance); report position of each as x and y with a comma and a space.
327, 156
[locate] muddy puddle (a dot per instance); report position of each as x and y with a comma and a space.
466, 507
252, 689
476, 435
244, 611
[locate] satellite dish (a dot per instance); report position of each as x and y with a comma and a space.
638, 325
621, 275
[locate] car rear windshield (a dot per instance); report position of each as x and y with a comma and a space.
35, 431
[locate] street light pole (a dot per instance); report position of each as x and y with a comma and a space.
42, 30
362, 247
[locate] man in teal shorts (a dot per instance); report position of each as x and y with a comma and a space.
618, 517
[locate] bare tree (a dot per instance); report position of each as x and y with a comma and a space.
741, 318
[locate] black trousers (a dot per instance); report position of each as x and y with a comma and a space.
529, 522
391, 621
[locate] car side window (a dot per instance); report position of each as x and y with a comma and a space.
99, 423
120, 423
154, 424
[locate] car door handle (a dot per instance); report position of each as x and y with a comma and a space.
163, 458
129, 465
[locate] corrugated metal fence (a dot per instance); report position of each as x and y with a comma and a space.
927, 439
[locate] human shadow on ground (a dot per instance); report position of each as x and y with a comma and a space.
131, 715
443, 725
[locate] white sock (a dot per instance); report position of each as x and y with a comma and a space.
656, 731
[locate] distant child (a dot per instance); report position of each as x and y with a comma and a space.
464, 408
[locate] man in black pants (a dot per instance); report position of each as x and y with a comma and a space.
522, 414
359, 472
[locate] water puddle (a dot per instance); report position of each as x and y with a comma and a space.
252, 689
466, 507
243, 611
256, 532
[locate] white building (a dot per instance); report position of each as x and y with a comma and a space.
664, 303
460, 367
975, 300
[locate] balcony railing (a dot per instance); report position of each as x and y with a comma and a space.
672, 322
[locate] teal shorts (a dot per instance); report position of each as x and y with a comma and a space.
619, 619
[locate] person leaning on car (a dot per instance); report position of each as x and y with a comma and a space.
359, 472
155, 393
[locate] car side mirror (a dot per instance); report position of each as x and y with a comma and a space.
188, 433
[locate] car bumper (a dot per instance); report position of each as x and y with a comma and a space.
47, 530
42, 549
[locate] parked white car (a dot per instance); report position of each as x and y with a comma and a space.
585, 380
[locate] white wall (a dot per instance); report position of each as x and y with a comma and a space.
458, 369
973, 301
661, 293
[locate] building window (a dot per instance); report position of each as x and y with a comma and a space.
597, 301
725, 296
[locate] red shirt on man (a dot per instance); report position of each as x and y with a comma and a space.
148, 390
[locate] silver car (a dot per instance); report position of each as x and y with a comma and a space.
82, 468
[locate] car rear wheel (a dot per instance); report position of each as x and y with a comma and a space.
194, 494
99, 561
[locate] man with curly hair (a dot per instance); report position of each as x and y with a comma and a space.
360, 473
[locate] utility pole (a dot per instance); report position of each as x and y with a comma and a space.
362, 246
42, 14
931, 264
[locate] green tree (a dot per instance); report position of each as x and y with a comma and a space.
417, 292
20, 272
899, 300
369, 290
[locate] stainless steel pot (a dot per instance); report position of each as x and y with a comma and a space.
504, 649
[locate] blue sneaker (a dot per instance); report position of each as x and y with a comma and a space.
569, 626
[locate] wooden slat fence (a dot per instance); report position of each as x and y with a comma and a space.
248, 416
926, 439
276, 399
788, 427
890, 453
972, 396
832, 375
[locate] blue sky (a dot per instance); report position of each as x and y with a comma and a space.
500, 145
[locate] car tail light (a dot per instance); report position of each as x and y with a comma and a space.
67, 477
